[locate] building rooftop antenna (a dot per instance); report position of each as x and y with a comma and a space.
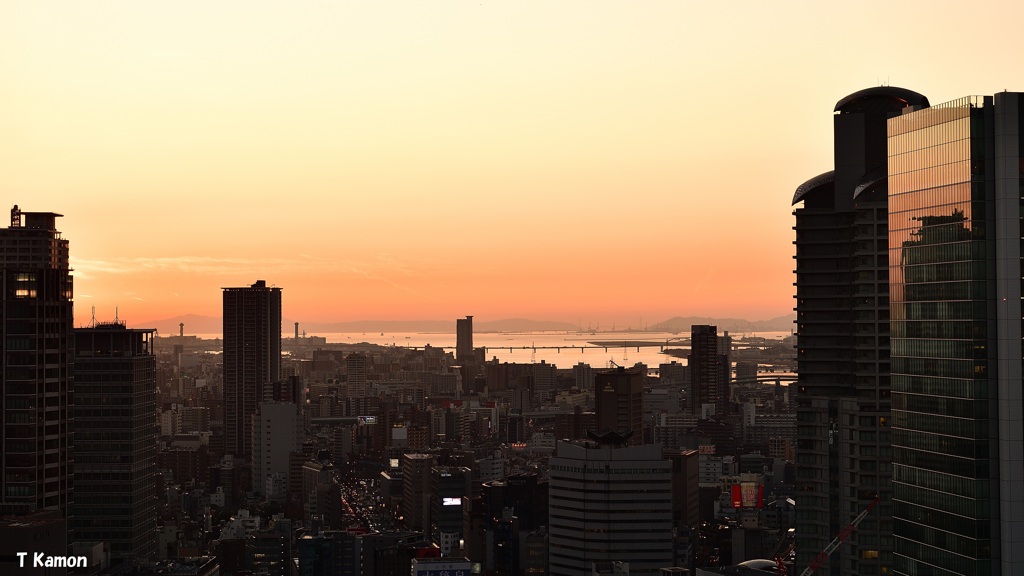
92, 323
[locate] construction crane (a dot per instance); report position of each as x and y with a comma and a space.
822, 556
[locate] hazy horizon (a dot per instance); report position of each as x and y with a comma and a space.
479, 319
205, 325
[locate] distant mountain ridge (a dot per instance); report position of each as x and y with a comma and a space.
444, 326
194, 324
197, 324
683, 324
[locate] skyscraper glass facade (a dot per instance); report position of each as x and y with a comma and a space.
944, 405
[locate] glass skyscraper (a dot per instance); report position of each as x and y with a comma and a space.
955, 199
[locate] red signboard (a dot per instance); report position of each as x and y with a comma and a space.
747, 495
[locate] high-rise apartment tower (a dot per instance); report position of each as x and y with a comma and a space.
464, 339
709, 372
252, 358
842, 306
36, 422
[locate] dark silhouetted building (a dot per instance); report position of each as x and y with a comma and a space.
526, 494
709, 373
416, 490
357, 366
450, 489
252, 358
36, 422
115, 440
618, 396
685, 487
842, 305
464, 339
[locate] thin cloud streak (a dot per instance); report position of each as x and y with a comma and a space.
89, 268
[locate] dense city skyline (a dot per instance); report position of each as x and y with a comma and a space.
427, 162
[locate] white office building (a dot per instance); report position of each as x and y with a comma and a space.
609, 504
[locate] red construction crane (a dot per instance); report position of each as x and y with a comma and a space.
822, 556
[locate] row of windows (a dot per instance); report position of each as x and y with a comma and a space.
940, 481
101, 458
950, 534
105, 413
932, 450
905, 279
21, 343
82, 399
947, 368
928, 348
940, 152
948, 328
106, 517
931, 226
118, 389
19, 491
870, 436
941, 310
941, 175
946, 121
938, 194
953, 503
103, 424
607, 492
937, 291
581, 470
943, 405
643, 517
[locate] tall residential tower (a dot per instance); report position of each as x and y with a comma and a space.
842, 306
36, 423
464, 339
709, 372
252, 358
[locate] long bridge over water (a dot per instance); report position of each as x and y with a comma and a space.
605, 345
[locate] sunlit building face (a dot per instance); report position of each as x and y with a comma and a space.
955, 285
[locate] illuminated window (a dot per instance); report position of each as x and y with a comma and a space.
24, 285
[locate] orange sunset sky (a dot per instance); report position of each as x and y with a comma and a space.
583, 161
